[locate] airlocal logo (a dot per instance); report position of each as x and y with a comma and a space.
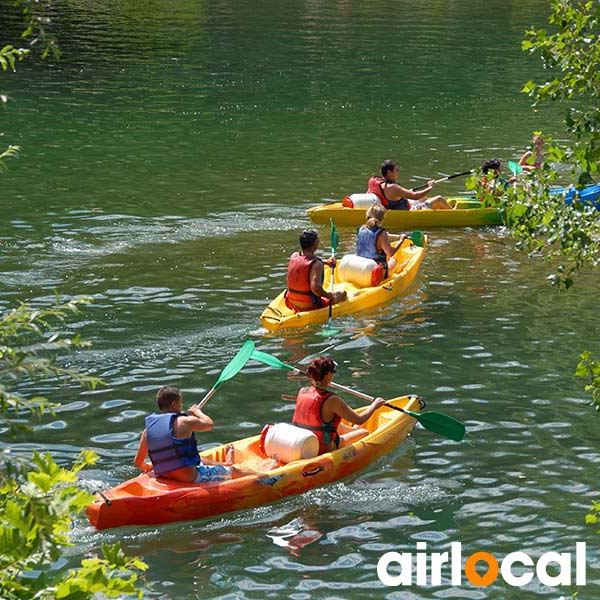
453, 559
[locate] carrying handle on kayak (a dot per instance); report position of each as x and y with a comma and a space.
422, 187
437, 422
235, 365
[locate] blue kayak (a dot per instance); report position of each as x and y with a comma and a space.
588, 195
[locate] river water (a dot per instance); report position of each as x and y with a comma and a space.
168, 160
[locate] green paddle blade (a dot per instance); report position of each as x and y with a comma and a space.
515, 167
236, 364
440, 423
335, 238
270, 360
417, 238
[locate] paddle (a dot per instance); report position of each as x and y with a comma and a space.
422, 187
416, 237
328, 330
515, 167
235, 365
437, 422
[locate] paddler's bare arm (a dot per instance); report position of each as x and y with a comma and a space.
394, 191
142, 452
336, 406
195, 420
316, 276
383, 244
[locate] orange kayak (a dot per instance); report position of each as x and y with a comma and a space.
147, 500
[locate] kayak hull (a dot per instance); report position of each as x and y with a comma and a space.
588, 195
467, 214
146, 500
409, 257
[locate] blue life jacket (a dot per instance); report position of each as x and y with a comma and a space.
166, 452
366, 244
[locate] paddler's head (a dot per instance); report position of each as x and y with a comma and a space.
375, 215
493, 165
321, 371
390, 170
169, 399
309, 240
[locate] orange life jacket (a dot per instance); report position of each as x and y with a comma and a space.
299, 293
374, 187
308, 416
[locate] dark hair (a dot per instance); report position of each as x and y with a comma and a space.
387, 166
307, 238
320, 367
491, 165
166, 396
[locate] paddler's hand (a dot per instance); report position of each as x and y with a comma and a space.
330, 262
400, 241
195, 411
339, 296
378, 403
431, 183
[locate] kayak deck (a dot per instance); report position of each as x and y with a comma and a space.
147, 500
409, 257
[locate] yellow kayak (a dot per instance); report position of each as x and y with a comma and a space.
467, 213
409, 257
147, 500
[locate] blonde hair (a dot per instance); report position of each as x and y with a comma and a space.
375, 215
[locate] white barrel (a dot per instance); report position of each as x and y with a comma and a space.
364, 200
290, 442
363, 272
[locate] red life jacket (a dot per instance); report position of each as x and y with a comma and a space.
308, 416
299, 293
374, 187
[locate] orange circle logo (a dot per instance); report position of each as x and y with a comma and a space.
474, 577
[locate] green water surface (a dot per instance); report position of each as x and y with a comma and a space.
168, 160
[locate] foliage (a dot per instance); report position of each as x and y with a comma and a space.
37, 504
38, 498
589, 369
573, 54
567, 233
30, 344
9, 56
36, 23
593, 518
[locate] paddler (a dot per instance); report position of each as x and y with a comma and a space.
321, 411
170, 443
305, 277
373, 242
532, 159
395, 197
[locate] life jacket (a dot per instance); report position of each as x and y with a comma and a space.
366, 243
166, 452
299, 293
374, 187
308, 416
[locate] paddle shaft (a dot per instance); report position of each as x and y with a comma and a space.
331, 292
343, 388
422, 187
208, 396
